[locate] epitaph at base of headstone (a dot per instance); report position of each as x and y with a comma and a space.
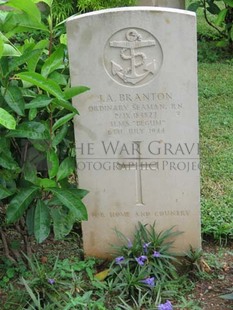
137, 132
178, 4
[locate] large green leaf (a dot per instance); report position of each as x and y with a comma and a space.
52, 163
40, 101
30, 130
4, 64
60, 135
15, 23
71, 201
14, 99
65, 104
42, 221
7, 161
8, 181
27, 6
213, 8
30, 172
32, 114
25, 57
63, 120
62, 222
79, 192
66, 168
7, 120
53, 62
4, 192
1, 47
48, 85
59, 78
194, 6
221, 17
46, 183
9, 50
20, 203
29, 93
54, 202
40, 145
32, 62
30, 219
74, 91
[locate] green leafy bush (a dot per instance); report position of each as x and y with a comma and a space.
223, 13
38, 187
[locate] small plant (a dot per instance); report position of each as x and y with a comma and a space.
62, 9
189, 304
196, 262
144, 264
142, 300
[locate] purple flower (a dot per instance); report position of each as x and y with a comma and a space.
119, 259
166, 306
145, 247
156, 254
141, 260
51, 281
149, 281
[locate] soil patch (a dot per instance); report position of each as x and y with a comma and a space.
208, 291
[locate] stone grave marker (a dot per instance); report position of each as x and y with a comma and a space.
137, 133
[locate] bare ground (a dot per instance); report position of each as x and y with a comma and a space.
208, 291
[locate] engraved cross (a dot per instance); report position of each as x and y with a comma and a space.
137, 167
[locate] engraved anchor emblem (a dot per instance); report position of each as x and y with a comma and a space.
128, 51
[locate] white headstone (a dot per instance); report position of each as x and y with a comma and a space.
137, 133
178, 4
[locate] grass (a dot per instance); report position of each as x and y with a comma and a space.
215, 77
216, 127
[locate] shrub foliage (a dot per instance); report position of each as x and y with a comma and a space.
38, 187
